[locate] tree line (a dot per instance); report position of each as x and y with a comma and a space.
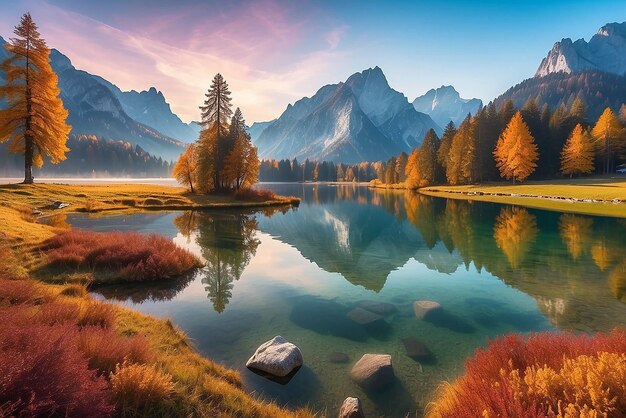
514, 144
223, 158
94, 156
308, 170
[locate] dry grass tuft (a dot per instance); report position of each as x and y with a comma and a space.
142, 390
105, 349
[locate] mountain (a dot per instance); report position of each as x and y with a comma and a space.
257, 128
361, 119
94, 109
150, 108
445, 104
605, 51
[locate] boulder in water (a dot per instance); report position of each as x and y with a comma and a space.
423, 307
373, 371
363, 317
351, 408
276, 357
380, 308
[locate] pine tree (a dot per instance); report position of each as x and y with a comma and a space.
443, 153
185, 168
214, 143
34, 118
241, 167
460, 167
516, 153
607, 134
577, 154
427, 159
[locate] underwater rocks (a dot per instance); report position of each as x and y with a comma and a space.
362, 316
351, 408
423, 307
276, 357
338, 357
417, 350
380, 308
373, 371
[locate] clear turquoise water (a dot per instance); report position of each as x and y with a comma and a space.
494, 269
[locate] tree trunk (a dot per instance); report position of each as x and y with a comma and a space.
28, 160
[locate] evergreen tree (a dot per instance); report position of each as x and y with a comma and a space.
516, 152
577, 154
428, 157
443, 153
34, 118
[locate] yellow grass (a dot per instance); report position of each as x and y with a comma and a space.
590, 196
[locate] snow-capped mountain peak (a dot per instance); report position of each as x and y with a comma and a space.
445, 104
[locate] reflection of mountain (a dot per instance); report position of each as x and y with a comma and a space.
362, 242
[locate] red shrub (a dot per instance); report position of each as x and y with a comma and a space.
487, 387
14, 292
58, 312
128, 256
43, 374
105, 349
97, 314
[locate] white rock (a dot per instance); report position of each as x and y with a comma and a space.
277, 357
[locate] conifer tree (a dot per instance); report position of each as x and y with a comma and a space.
460, 167
185, 168
34, 118
607, 134
577, 154
427, 159
242, 163
443, 153
516, 153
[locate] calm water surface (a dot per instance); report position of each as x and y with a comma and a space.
297, 273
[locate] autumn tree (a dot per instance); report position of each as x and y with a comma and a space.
607, 134
242, 163
34, 119
444, 147
516, 153
185, 168
514, 232
461, 164
577, 154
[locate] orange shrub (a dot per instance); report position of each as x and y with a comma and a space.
544, 375
141, 390
130, 256
255, 195
105, 349
97, 314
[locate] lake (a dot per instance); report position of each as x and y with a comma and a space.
301, 272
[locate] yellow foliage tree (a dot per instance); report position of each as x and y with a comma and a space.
516, 152
34, 119
575, 233
577, 154
514, 231
607, 134
185, 168
241, 167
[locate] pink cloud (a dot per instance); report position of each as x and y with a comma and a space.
269, 56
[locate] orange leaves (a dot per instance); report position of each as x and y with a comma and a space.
185, 168
514, 232
516, 152
577, 154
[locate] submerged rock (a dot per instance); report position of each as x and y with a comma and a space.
417, 350
276, 357
373, 371
363, 317
338, 357
351, 408
380, 308
424, 307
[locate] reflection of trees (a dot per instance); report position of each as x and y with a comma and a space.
617, 281
420, 211
602, 255
514, 232
228, 242
576, 233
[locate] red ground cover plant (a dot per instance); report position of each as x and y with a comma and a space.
543, 375
255, 195
128, 256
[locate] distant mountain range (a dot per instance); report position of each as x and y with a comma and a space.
605, 51
361, 119
593, 71
445, 104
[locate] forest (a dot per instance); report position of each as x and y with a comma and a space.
295, 171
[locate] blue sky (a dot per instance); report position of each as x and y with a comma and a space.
273, 52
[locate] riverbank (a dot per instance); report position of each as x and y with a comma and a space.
199, 386
599, 196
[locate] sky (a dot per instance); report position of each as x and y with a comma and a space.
274, 52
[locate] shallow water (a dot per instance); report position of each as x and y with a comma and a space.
494, 269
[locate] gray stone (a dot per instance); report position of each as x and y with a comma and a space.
416, 349
373, 371
380, 308
338, 357
351, 408
363, 317
424, 307
277, 357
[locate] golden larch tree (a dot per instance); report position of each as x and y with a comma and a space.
185, 168
608, 134
34, 119
577, 154
516, 152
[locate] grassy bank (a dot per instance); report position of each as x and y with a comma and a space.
605, 197
100, 358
